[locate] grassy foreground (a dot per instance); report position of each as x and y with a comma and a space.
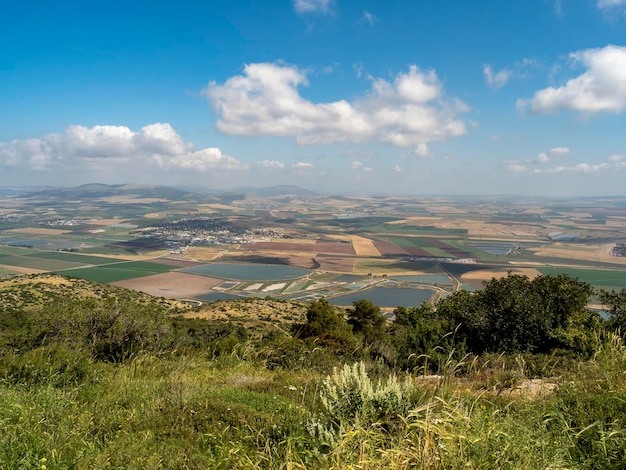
62, 410
112, 379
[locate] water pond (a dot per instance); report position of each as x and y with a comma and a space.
386, 297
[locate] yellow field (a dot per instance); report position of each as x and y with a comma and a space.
616, 222
475, 228
597, 253
217, 207
381, 266
203, 253
486, 275
294, 240
363, 246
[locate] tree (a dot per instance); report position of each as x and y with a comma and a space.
325, 324
366, 319
614, 304
514, 314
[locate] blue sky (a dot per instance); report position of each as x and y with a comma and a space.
337, 96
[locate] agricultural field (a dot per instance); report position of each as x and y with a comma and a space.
149, 237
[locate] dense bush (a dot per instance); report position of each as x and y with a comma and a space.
111, 329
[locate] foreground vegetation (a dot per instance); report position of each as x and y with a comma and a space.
518, 375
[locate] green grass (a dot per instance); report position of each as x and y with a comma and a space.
34, 262
232, 411
6, 272
73, 258
410, 242
595, 277
119, 271
14, 250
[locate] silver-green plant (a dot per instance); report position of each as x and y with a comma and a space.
349, 398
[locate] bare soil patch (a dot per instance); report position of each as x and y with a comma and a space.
387, 248
182, 263
21, 270
171, 285
282, 246
456, 252
336, 264
334, 247
487, 275
601, 253
202, 253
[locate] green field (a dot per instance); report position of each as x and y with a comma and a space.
407, 242
73, 258
33, 262
14, 250
118, 271
595, 277
6, 272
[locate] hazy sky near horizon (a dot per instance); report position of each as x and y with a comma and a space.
336, 96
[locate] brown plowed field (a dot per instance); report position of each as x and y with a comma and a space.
334, 247
171, 285
457, 253
181, 263
335, 264
417, 251
282, 246
389, 248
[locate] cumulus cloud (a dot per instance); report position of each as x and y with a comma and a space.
158, 143
555, 152
601, 88
312, 6
408, 111
358, 166
496, 79
515, 166
269, 165
610, 165
302, 166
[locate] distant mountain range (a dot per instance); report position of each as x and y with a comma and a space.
99, 191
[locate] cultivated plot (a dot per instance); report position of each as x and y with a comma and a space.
172, 285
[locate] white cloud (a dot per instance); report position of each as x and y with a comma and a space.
601, 88
610, 165
369, 18
514, 166
560, 150
408, 111
203, 160
358, 166
555, 152
498, 79
302, 166
271, 165
157, 143
604, 4
312, 6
